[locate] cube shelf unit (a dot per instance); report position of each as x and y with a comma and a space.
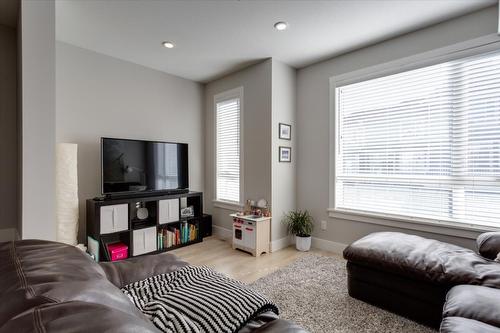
116, 220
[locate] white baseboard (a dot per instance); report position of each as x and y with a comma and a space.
326, 245
222, 233
8, 234
280, 243
317, 243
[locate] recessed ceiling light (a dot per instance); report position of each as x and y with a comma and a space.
280, 26
168, 45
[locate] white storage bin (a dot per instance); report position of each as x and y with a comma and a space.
144, 241
114, 218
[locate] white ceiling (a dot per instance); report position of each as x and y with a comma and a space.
213, 38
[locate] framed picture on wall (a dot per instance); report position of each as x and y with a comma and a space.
285, 131
285, 154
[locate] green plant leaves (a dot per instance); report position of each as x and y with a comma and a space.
299, 223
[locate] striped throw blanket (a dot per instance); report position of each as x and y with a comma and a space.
197, 299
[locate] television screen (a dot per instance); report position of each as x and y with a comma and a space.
140, 166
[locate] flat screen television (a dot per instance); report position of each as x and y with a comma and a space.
133, 166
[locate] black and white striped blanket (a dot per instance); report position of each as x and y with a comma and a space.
197, 299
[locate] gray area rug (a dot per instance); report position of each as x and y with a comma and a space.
312, 292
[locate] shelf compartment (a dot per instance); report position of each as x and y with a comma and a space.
178, 234
105, 240
197, 204
179, 246
150, 220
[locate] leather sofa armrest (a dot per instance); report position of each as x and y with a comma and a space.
124, 272
488, 244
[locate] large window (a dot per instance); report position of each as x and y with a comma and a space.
228, 146
422, 144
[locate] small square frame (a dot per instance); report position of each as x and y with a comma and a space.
285, 154
285, 131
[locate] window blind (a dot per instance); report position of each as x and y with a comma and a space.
422, 144
228, 150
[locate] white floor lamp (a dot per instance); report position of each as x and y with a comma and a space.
67, 193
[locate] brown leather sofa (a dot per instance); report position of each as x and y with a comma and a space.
434, 283
53, 287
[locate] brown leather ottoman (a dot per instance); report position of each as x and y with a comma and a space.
411, 275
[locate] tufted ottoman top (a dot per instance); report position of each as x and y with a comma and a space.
423, 259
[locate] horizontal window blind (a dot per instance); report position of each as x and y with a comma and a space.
228, 150
423, 143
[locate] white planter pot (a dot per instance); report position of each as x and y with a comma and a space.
303, 243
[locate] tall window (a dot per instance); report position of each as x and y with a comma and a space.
228, 146
422, 144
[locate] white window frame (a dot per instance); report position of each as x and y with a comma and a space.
457, 51
221, 97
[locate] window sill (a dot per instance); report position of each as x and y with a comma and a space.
227, 205
437, 227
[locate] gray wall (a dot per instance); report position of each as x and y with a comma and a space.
38, 119
284, 174
257, 121
8, 129
98, 95
268, 99
313, 115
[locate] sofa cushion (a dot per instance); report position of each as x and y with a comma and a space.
40, 273
13, 286
488, 244
124, 272
474, 302
464, 325
423, 259
77, 316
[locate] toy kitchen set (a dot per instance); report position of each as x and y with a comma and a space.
252, 228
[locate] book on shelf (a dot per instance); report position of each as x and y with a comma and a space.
173, 236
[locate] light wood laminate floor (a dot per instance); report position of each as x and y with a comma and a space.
219, 255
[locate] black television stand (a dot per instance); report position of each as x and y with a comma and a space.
147, 222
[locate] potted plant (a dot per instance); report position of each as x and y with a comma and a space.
300, 224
